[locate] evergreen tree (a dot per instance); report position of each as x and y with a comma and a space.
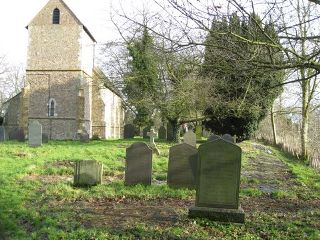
142, 85
241, 93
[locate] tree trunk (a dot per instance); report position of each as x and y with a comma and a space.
305, 116
274, 133
176, 129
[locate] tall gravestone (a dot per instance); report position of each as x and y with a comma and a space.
138, 164
87, 173
17, 134
129, 131
145, 132
170, 135
2, 134
199, 132
190, 138
35, 134
218, 182
182, 166
162, 133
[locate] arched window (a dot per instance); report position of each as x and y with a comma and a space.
56, 16
52, 108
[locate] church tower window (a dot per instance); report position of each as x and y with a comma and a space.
56, 16
52, 107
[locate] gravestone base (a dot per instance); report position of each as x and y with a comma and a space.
218, 214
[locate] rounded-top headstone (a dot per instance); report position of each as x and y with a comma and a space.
213, 137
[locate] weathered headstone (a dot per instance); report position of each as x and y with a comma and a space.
35, 134
87, 173
182, 166
17, 134
2, 134
138, 164
170, 135
45, 138
162, 133
228, 138
129, 131
190, 138
218, 182
213, 137
199, 132
145, 132
84, 137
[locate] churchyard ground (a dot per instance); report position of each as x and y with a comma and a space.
280, 196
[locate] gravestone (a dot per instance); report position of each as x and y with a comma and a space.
84, 137
145, 132
87, 173
2, 134
170, 135
35, 134
162, 133
129, 131
218, 182
190, 138
17, 134
45, 138
182, 166
138, 164
228, 138
199, 132
213, 137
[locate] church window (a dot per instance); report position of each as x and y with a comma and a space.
56, 16
52, 107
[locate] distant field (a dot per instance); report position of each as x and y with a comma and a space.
281, 197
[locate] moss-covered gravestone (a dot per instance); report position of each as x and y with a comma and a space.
218, 182
182, 166
87, 173
138, 164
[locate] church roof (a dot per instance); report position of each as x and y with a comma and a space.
75, 18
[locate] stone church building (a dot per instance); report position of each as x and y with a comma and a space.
64, 91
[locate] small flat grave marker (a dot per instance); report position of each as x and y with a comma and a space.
87, 173
182, 166
138, 164
218, 182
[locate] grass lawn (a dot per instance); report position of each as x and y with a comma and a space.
280, 196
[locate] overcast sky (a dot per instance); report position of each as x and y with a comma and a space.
16, 15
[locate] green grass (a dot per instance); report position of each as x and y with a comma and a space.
38, 201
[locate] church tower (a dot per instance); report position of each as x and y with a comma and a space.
59, 72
